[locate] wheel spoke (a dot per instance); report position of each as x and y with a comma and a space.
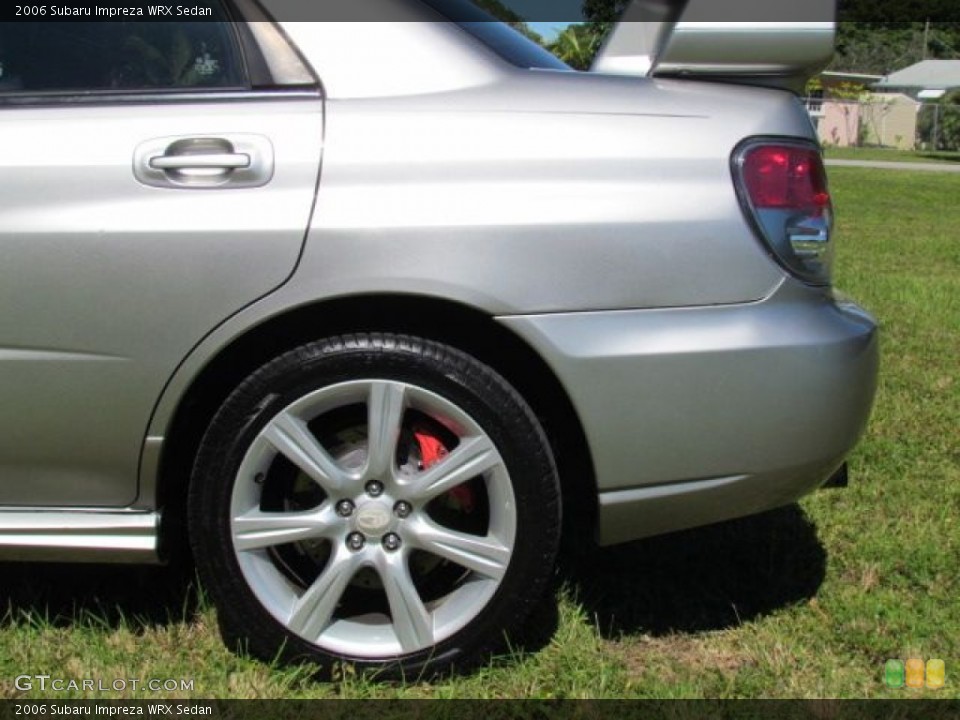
312, 612
385, 408
349, 541
484, 555
412, 622
255, 530
473, 456
290, 436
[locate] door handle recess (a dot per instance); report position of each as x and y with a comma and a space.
220, 161
228, 161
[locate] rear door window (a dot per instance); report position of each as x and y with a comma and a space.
118, 57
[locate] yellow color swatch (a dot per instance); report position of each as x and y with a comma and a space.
936, 674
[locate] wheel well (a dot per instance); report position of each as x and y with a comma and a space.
443, 321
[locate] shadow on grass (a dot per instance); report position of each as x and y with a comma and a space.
945, 156
708, 578
704, 579
106, 595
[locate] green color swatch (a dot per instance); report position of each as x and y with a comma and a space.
894, 674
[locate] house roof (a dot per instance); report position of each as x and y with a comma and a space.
926, 75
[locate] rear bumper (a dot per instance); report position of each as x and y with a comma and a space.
697, 415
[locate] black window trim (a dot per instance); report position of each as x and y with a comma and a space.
155, 97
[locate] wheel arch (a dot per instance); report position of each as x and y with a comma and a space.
455, 324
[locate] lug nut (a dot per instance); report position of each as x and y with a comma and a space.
391, 542
355, 541
344, 508
374, 488
403, 509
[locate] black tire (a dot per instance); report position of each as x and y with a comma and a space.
470, 386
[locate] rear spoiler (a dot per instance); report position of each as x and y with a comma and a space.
777, 43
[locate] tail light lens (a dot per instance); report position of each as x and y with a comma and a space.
783, 188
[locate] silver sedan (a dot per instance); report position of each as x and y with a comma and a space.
372, 313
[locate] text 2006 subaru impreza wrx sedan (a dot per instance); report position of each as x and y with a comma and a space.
377, 309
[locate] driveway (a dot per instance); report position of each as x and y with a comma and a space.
886, 165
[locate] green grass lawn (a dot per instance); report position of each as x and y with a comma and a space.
808, 601
891, 154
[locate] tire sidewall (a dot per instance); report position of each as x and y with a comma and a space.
473, 387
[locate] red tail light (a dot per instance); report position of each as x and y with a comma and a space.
783, 188
782, 176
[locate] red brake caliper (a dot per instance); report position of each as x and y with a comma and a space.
431, 451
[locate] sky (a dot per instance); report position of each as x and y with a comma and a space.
550, 29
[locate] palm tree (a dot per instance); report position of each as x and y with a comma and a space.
577, 45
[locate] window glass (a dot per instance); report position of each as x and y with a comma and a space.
117, 56
499, 37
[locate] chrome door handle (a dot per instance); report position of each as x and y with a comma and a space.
219, 161
205, 162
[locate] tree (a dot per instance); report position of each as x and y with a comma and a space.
577, 45
607, 11
938, 125
880, 48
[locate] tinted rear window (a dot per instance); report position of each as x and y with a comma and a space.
499, 37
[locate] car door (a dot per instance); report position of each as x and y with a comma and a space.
155, 178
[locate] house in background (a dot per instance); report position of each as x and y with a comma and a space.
891, 114
846, 113
926, 80
890, 120
836, 106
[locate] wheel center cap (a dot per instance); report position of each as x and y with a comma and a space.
373, 518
